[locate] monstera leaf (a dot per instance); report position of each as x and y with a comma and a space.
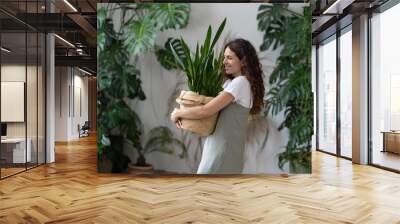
140, 35
118, 77
272, 19
165, 56
290, 82
140, 32
101, 23
171, 15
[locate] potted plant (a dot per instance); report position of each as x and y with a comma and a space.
160, 139
291, 79
203, 71
134, 33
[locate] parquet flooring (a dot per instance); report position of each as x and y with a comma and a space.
10, 171
71, 191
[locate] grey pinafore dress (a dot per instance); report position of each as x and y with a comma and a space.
223, 151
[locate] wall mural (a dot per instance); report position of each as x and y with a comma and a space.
160, 63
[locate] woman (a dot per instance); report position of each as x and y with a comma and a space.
243, 94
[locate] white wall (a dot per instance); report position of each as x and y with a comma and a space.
264, 141
80, 94
61, 103
70, 83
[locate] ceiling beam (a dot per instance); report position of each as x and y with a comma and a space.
83, 61
90, 31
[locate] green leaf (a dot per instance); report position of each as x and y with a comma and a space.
165, 56
203, 69
161, 139
118, 77
139, 36
170, 15
290, 82
105, 140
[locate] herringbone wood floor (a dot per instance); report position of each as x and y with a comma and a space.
71, 191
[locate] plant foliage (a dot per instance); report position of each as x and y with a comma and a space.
203, 67
118, 77
160, 139
291, 79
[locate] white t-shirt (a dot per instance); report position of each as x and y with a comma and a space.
240, 89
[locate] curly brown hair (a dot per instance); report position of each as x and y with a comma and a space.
251, 68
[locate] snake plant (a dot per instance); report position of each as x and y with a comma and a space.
204, 67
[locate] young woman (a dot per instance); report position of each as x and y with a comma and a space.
243, 94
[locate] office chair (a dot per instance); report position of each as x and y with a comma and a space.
84, 130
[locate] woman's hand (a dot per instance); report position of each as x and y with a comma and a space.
174, 115
175, 118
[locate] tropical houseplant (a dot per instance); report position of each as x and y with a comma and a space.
290, 80
203, 71
118, 48
160, 139
203, 68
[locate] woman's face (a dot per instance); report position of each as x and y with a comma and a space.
232, 64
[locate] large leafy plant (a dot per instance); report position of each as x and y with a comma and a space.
291, 79
160, 139
203, 67
118, 77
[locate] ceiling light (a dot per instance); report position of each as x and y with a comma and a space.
86, 72
337, 7
331, 7
70, 5
64, 40
5, 50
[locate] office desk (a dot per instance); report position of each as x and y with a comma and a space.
15, 148
391, 141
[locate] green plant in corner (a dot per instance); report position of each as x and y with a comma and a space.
160, 139
291, 79
118, 77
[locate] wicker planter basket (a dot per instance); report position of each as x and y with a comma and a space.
202, 127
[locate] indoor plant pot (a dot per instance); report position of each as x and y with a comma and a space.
203, 70
204, 126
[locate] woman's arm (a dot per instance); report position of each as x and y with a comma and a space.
198, 112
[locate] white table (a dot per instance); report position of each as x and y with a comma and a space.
18, 145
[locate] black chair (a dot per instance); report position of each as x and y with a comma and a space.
84, 130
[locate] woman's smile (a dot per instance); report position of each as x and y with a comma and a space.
231, 62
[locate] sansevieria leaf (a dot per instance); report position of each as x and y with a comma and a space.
202, 68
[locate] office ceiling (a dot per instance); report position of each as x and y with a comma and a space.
336, 14
74, 22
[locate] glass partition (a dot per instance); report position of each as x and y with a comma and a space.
13, 109
31, 100
385, 89
22, 78
327, 96
41, 87
346, 93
